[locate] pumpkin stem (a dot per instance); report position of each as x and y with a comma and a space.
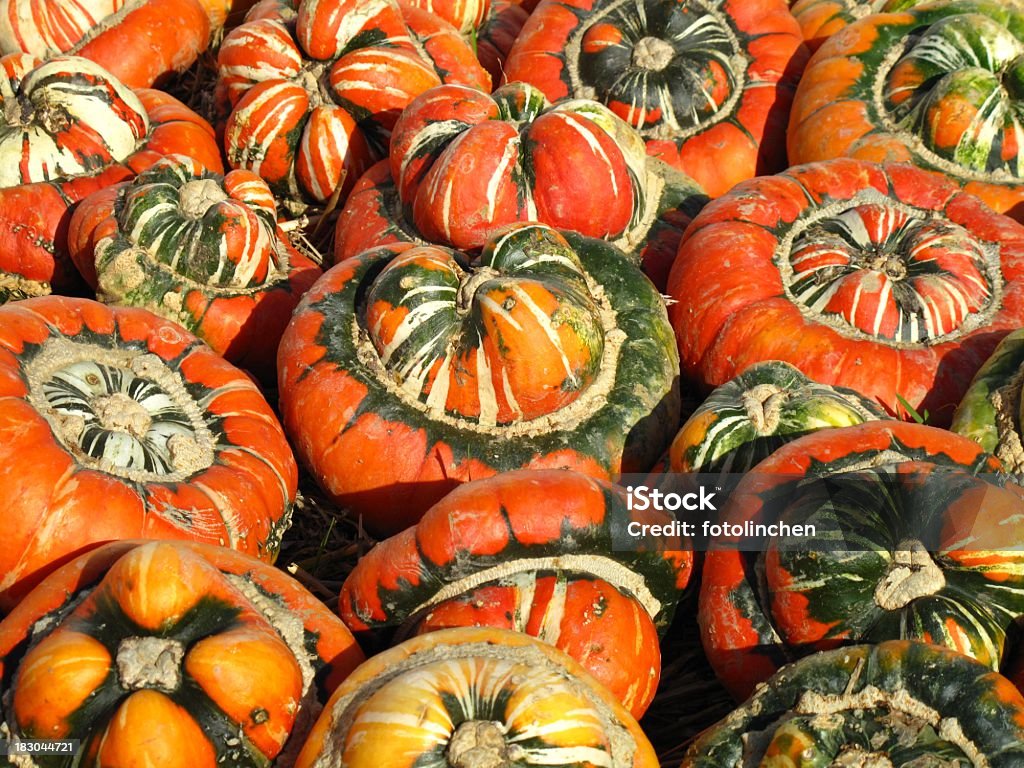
479, 744
763, 405
198, 196
912, 574
119, 412
653, 53
469, 285
149, 662
858, 758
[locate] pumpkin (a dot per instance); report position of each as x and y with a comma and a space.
465, 15
497, 34
542, 551
199, 248
68, 128
171, 654
897, 703
768, 405
465, 164
313, 89
115, 423
937, 85
405, 371
887, 280
474, 697
707, 84
172, 33
820, 19
989, 414
910, 542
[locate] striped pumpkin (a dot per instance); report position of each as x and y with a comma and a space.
912, 524
768, 405
466, 698
820, 19
107, 32
885, 279
115, 409
313, 90
170, 654
574, 165
67, 129
707, 84
892, 704
545, 552
554, 347
990, 413
198, 248
938, 85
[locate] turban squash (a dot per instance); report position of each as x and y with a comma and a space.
67, 129
916, 537
707, 84
406, 370
547, 552
115, 423
888, 280
138, 41
175, 654
474, 697
199, 248
311, 90
465, 163
938, 85
896, 703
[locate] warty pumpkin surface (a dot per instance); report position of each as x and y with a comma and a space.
898, 703
115, 423
68, 128
199, 248
707, 83
916, 538
885, 279
461, 698
170, 654
406, 370
547, 552
938, 85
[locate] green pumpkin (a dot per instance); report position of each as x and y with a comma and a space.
899, 704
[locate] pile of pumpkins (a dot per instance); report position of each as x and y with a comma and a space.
565, 247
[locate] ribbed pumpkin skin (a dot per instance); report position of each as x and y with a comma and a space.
138, 41
927, 525
820, 19
201, 249
497, 34
88, 131
503, 692
990, 412
465, 164
540, 551
845, 269
116, 409
555, 348
948, 102
138, 644
768, 405
611, 635
465, 15
313, 89
708, 85
901, 702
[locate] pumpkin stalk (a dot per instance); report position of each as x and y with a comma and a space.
763, 405
653, 53
913, 574
480, 744
150, 662
198, 196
